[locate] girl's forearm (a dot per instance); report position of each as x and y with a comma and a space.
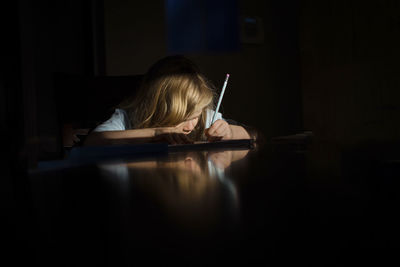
120, 137
238, 132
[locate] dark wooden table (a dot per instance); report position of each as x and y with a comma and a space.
277, 204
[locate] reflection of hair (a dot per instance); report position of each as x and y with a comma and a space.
171, 91
189, 194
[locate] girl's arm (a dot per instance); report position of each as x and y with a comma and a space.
172, 135
238, 132
120, 137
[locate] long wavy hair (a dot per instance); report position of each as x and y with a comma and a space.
172, 90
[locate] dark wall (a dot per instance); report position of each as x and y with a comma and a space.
51, 37
350, 64
13, 135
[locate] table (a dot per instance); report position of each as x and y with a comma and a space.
276, 204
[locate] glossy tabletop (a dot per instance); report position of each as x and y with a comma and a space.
272, 204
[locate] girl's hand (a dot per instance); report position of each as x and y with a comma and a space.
220, 130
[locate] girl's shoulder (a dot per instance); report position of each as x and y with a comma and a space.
119, 112
123, 116
118, 121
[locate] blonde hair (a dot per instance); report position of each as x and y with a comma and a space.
171, 92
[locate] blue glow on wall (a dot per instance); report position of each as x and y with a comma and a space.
202, 25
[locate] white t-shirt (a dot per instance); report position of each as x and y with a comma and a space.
119, 121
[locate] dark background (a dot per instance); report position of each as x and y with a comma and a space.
330, 67
324, 66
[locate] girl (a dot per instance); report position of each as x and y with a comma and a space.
174, 104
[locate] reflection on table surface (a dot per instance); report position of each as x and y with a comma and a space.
169, 206
192, 188
234, 207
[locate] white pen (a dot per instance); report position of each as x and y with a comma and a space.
220, 98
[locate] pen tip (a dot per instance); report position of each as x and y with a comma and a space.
227, 75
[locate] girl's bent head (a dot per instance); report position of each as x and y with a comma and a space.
173, 92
